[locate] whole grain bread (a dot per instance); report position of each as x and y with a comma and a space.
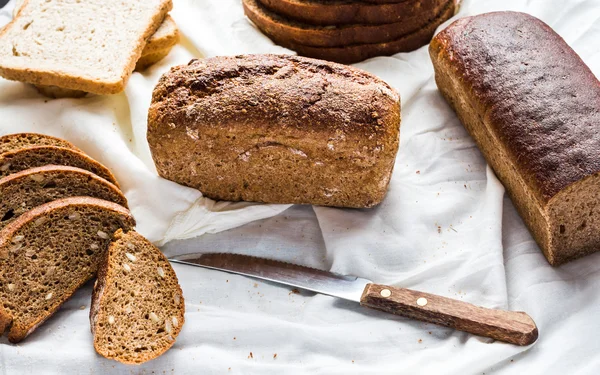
343, 12
533, 108
137, 307
48, 253
283, 28
38, 156
33, 187
157, 48
358, 52
277, 129
17, 141
90, 45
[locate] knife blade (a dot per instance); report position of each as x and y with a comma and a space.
514, 327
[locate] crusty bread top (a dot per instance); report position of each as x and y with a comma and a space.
314, 95
89, 45
541, 101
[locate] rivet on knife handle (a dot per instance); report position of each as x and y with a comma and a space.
514, 327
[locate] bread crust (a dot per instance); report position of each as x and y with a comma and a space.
18, 332
343, 12
532, 106
276, 128
9, 140
358, 52
337, 36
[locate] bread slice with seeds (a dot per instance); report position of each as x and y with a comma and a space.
33, 187
48, 253
137, 307
12, 142
38, 156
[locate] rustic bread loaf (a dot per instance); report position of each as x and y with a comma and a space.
277, 129
358, 52
533, 108
89, 45
38, 156
296, 32
137, 306
343, 12
33, 187
13, 142
48, 253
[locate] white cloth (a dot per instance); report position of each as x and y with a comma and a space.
445, 227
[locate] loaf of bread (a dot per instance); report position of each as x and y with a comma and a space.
276, 129
533, 108
48, 253
137, 307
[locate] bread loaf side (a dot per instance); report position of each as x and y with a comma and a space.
533, 108
277, 129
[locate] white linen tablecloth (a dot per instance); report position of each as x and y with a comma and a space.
446, 227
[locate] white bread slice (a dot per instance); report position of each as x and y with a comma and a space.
87, 45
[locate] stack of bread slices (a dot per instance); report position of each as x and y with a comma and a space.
349, 31
64, 220
70, 48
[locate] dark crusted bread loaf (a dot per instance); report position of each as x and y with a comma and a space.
13, 142
358, 52
33, 187
296, 32
48, 253
533, 107
137, 306
276, 128
343, 12
38, 156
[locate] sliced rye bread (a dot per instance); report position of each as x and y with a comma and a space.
358, 52
336, 36
12, 142
158, 47
343, 12
137, 307
38, 156
91, 46
33, 187
48, 253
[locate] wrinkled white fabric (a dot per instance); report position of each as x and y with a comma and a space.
445, 227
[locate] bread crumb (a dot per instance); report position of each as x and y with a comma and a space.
256, 285
250, 356
275, 356
234, 337
82, 307
294, 291
418, 172
420, 341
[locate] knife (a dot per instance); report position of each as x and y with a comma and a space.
514, 327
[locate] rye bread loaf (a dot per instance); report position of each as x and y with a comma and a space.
48, 253
33, 187
13, 142
38, 156
296, 32
276, 129
137, 307
533, 108
358, 52
88, 45
343, 12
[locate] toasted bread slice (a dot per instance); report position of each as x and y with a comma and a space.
48, 253
337, 36
90, 45
13, 142
137, 307
38, 156
33, 187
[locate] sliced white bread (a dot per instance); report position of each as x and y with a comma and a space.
86, 45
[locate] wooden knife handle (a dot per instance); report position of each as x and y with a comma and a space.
514, 327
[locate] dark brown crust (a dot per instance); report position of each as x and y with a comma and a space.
46, 140
47, 151
18, 333
537, 95
275, 128
358, 52
337, 36
342, 12
100, 289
